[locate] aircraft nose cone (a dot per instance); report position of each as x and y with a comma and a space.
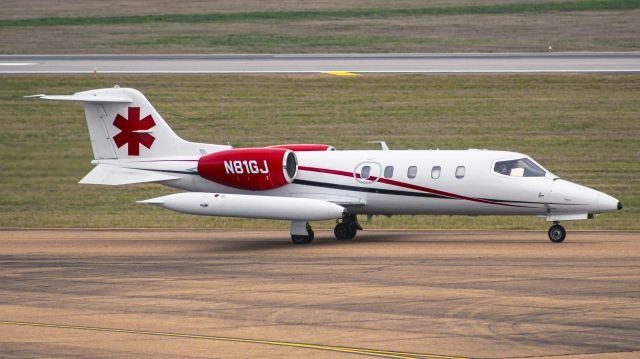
607, 203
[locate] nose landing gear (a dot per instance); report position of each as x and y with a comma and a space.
347, 227
557, 233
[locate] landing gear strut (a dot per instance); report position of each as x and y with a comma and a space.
347, 227
557, 233
301, 233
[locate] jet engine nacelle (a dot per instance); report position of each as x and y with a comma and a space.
303, 147
256, 169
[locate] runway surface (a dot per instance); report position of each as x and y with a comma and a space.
620, 62
392, 294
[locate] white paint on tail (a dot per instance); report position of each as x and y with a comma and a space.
123, 124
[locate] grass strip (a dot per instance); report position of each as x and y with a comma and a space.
582, 128
516, 8
270, 42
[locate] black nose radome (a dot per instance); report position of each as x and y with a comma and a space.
619, 206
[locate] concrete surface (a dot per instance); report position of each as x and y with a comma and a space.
617, 62
408, 294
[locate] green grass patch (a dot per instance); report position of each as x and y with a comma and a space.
269, 42
515, 8
583, 128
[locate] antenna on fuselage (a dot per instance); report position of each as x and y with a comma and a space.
383, 145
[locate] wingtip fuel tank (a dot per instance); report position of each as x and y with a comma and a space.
249, 206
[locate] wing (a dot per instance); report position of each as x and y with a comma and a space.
345, 201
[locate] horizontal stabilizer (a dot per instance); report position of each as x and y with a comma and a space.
84, 97
114, 175
123, 124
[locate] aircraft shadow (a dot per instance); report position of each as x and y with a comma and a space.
277, 242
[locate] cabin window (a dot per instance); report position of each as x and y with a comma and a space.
412, 172
388, 172
460, 172
522, 167
435, 172
365, 172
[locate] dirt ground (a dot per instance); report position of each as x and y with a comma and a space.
163, 294
598, 30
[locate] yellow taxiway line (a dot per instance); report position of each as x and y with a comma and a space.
361, 351
341, 73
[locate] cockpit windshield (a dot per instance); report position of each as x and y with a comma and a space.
522, 167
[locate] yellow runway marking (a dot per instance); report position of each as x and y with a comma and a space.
361, 351
341, 73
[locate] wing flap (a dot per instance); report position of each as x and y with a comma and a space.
113, 175
339, 200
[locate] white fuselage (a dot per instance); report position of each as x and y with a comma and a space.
415, 186
132, 143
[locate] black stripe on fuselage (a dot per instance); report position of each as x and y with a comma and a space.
369, 190
382, 191
393, 192
545, 203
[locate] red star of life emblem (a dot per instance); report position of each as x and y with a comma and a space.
128, 131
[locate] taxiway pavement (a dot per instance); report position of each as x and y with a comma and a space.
579, 62
393, 294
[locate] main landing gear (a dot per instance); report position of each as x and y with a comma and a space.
557, 233
347, 227
301, 233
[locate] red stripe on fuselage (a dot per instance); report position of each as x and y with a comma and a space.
168, 161
406, 185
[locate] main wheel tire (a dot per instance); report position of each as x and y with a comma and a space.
297, 239
342, 231
557, 233
345, 231
352, 233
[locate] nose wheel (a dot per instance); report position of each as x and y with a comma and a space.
557, 233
